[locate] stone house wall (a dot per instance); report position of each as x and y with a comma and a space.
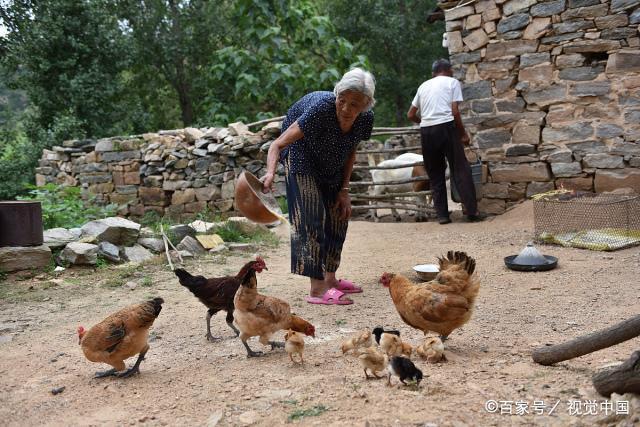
552, 93
178, 173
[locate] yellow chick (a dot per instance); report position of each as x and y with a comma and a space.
362, 339
392, 345
373, 359
432, 349
294, 344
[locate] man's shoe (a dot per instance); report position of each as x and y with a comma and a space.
444, 220
476, 218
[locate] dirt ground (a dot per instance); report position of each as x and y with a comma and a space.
186, 380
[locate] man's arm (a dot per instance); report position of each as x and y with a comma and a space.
464, 137
412, 114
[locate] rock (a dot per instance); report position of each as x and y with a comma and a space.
219, 248
580, 73
78, 253
455, 41
603, 161
519, 150
515, 5
242, 247
190, 244
178, 232
249, 417
530, 59
547, 95
492, 138
612, 21
609, 180
481, 89
566, 169
608, 130
572, 26
109, 251
539, 74
510, 47
458, 12
513, 22
634, 18
57, 390
214, 419
476, 39
524, 134
246, 226
571, 60
136, 253
192, 134
16, 258
560, 156
119, 231
130, 285
576, 183
573, 132
590, 89
153, 244
209, 241
523, 172
548, 8
238, 128
58, 237
591, 46
588, 12
624, 62
619, 5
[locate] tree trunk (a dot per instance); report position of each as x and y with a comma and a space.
588, 343
621, 379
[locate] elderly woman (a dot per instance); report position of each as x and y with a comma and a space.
317, 147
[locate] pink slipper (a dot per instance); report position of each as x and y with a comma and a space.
348, 287
331, 297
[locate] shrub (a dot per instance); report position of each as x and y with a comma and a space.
63, 207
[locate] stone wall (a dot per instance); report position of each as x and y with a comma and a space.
177, 173
552, 91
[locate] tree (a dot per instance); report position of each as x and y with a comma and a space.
68, 56
401, 45
277, 51
173, 42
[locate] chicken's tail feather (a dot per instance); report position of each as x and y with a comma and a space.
188, 280
459, 258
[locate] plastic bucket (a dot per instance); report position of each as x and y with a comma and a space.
476, 176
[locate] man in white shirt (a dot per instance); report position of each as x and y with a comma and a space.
435, 107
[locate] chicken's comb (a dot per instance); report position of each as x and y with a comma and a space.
80, 329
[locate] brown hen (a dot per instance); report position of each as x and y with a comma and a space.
442, 305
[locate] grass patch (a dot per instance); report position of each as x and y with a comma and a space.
231, 232
119, 278
341, 322
147, 281
299, 414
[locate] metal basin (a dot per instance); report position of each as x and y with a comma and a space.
253, 203
550, 263
426, 272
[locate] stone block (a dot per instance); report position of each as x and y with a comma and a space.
132, 178
473, 21
210, 192
16, 258
489, 27
492, 206
590, 89
195, 207
561, 155
479, 90
510, 48
618, 33
570, 60
476, 40
572, 26
455, 42
491, 14
578, 183
537, 74
581, 73
608, 130
624, 62
591, 46
534, 188
492, 190
612, 21
566, 169
497, 69
572, 132
525, 134
482, 106
603, 161
634, 18
492, 138
531, 59
585, 147
180, 197
459, 12
620, 5
609, 180
448, 26
585, 12
153, 196
511, 105
544, 96
466, 58
513, 22
510, 35
513, 6
523, 172
519, 150
537, 28
548, 8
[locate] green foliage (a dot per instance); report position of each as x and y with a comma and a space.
230, 232
301, 47
282, 202
63, 206
399, 42
299, 414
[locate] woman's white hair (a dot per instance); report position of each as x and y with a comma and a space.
358, 80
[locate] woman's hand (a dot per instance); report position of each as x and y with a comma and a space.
343, 202
267, 182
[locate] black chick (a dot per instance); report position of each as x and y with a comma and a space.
378, 331
404, 369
